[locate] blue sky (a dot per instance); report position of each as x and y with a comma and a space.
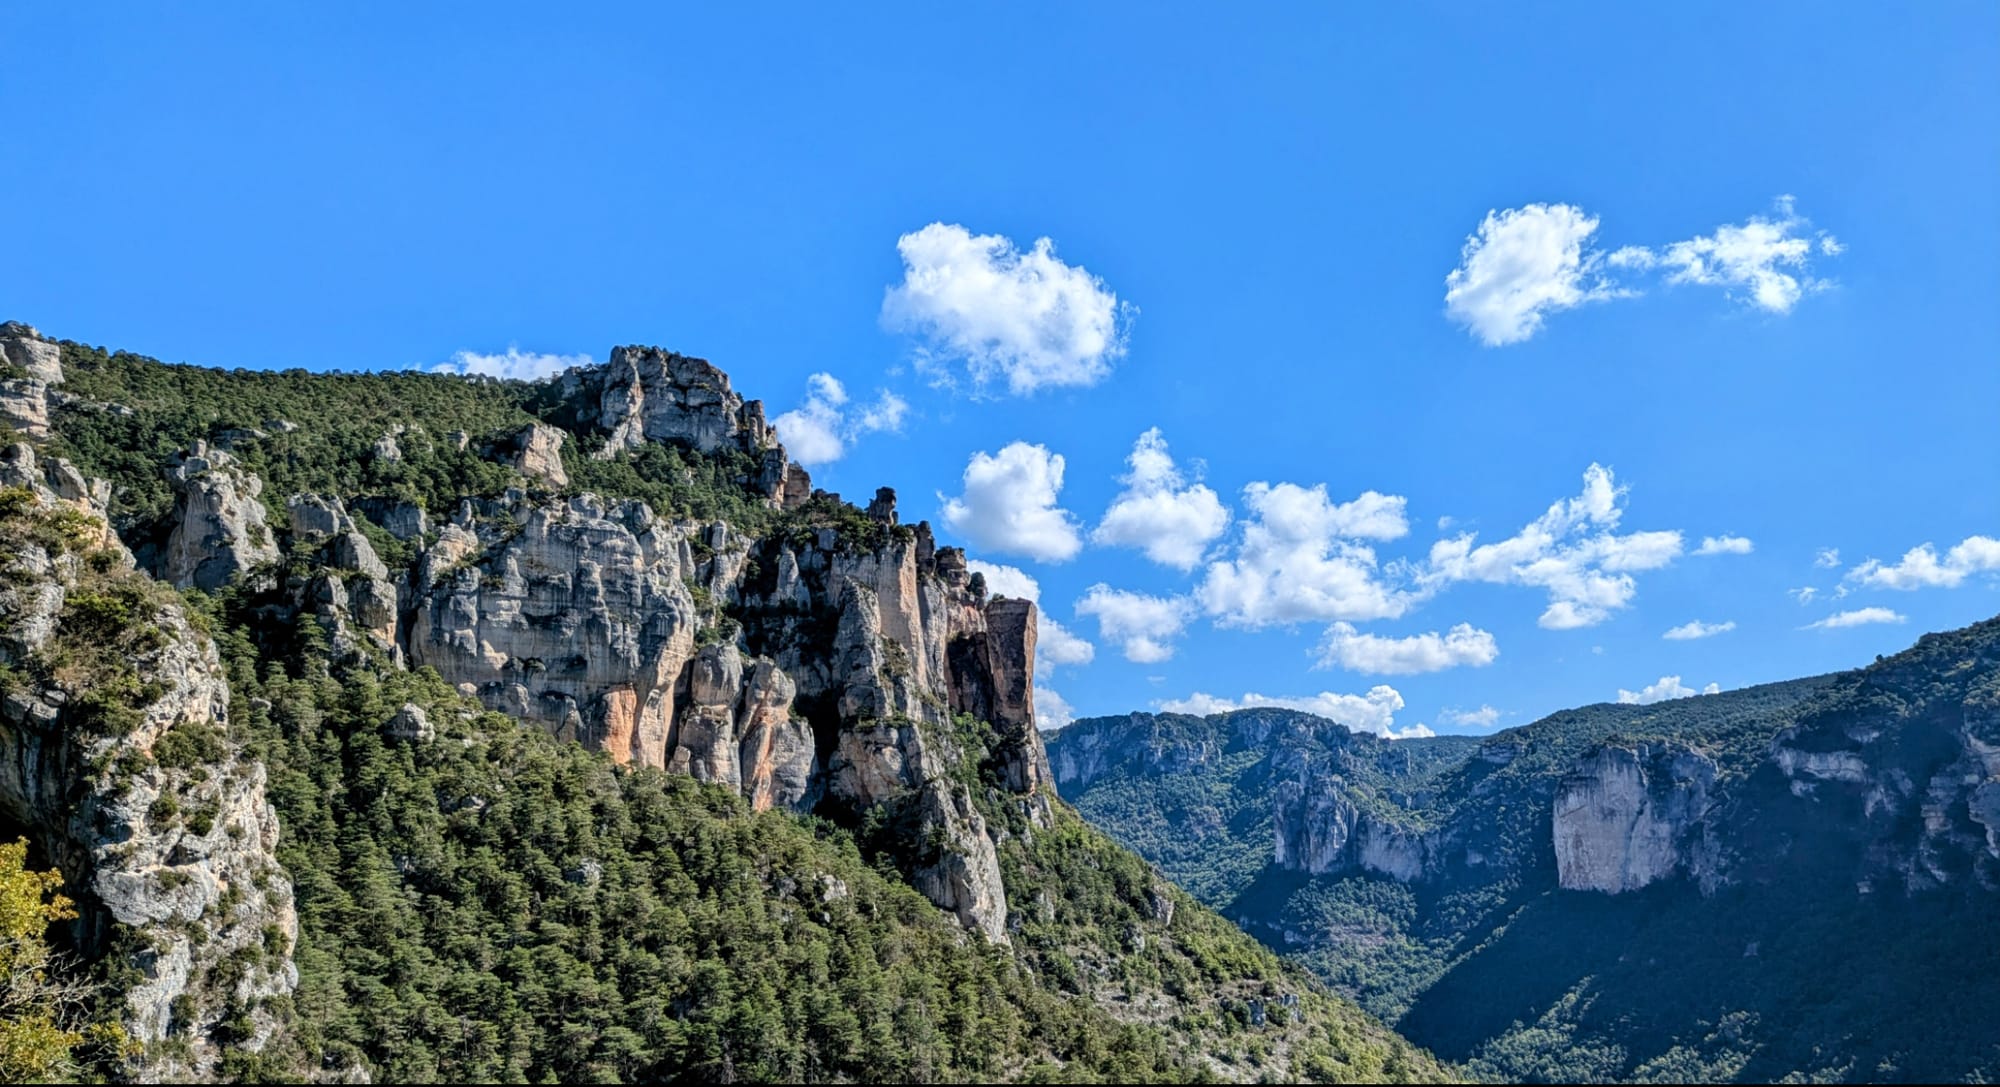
1275, 201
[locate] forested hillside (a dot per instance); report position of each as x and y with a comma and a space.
1755, 885
489, 736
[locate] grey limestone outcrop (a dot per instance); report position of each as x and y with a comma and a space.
94, 799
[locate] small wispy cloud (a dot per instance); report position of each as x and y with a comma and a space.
513, 364
1923, 568
1666, 688
1858, 617
1483, 717
1698, 629
1725, 545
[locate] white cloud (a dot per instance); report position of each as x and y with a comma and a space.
515, 365
1417, 731
1803, 594
1526, 263
1298, 559
1009, 504
1828, 558
1571, 551
1347, 648
1667, 687
1052, 711
1200, 704
818, 431
1374, 711
1483, 717
1921, 568
1143, 625
1159, 512
1695, 628
1027, 317
1766, 257
1523, 264
1055, 646
1725, 545
1004, 580
1856, 618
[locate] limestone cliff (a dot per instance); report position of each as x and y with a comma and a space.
1911, 761
645, 395
827, 664
1625, 817
115, 760
794, 670
30, 368
220, 528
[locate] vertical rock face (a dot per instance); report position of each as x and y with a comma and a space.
1626, 817
1916, 767
219, 524
827, 671
173, 847
645, 394
353, 594
25, 399
577, 616
808, 668
1320, 830
536, 452
23, 347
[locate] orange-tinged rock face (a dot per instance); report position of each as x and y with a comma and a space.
621, 719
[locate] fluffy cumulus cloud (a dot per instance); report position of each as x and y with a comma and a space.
1571, 552
1462, 645
1526, 263
1858, 617
1766, 259
1695, 628
1143, 626
1481, 718
1725, 545
1301, 558
1052, 711
1923, 568
1004, 580
1667, 687
1009, 505
514, 365
1027, 318
820, 430
1160, 513
1055, 646
1374, 711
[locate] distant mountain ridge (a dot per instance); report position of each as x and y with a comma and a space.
1515, 902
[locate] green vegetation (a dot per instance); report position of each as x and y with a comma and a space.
42, 1010
496, 905
1787, 972
499, 905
